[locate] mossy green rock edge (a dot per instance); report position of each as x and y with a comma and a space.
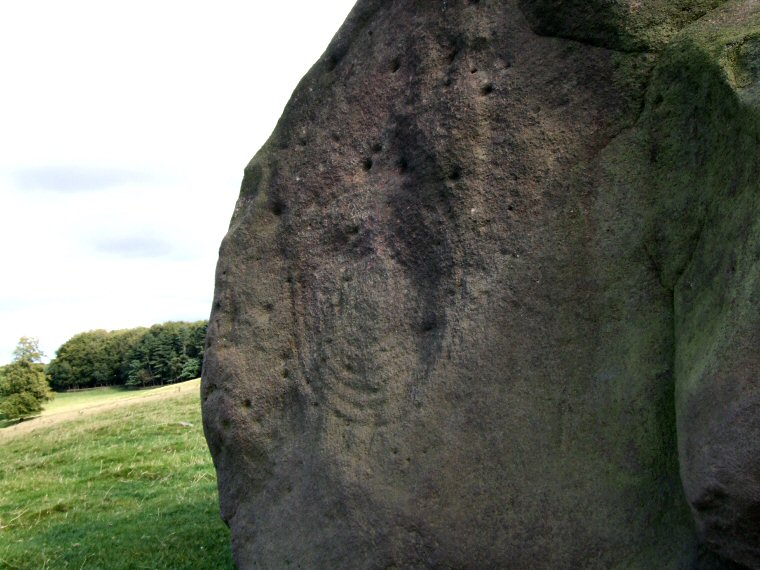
625, 25
703, 125
427, 353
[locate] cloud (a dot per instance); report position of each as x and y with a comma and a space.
71, 179
118, 188
134, 246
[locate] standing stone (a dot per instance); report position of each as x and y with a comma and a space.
490, 298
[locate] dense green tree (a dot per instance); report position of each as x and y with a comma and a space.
23, 384
124, 343
162, 354
81, 362
191, 368
167, 353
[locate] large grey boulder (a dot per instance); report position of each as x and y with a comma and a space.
489, 298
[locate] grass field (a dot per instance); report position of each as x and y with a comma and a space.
129, 487
70, 401
67, 401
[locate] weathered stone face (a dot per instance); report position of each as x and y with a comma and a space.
476, 281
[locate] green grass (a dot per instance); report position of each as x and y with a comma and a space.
127, 488
66, 401
70, 401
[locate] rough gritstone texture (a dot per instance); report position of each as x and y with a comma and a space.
490, 296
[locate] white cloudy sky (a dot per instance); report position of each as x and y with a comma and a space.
124, 129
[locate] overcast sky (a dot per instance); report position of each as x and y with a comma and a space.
124, 130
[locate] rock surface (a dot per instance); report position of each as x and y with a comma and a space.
489, 299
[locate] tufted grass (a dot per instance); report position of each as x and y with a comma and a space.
131, 487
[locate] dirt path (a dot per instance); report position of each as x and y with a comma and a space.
53, 419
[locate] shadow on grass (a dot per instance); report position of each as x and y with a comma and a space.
189, 535
9, 423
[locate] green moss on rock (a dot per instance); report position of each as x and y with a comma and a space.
626, 25
698, 163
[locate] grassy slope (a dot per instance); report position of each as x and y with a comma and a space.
66, 401
127, 488
72, 401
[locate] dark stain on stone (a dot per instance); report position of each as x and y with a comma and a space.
278, 208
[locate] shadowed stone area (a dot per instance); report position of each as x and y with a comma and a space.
490, 295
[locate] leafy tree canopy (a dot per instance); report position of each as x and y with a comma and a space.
27, 350
161, 354
23, 384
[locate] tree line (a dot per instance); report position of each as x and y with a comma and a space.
162, 354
